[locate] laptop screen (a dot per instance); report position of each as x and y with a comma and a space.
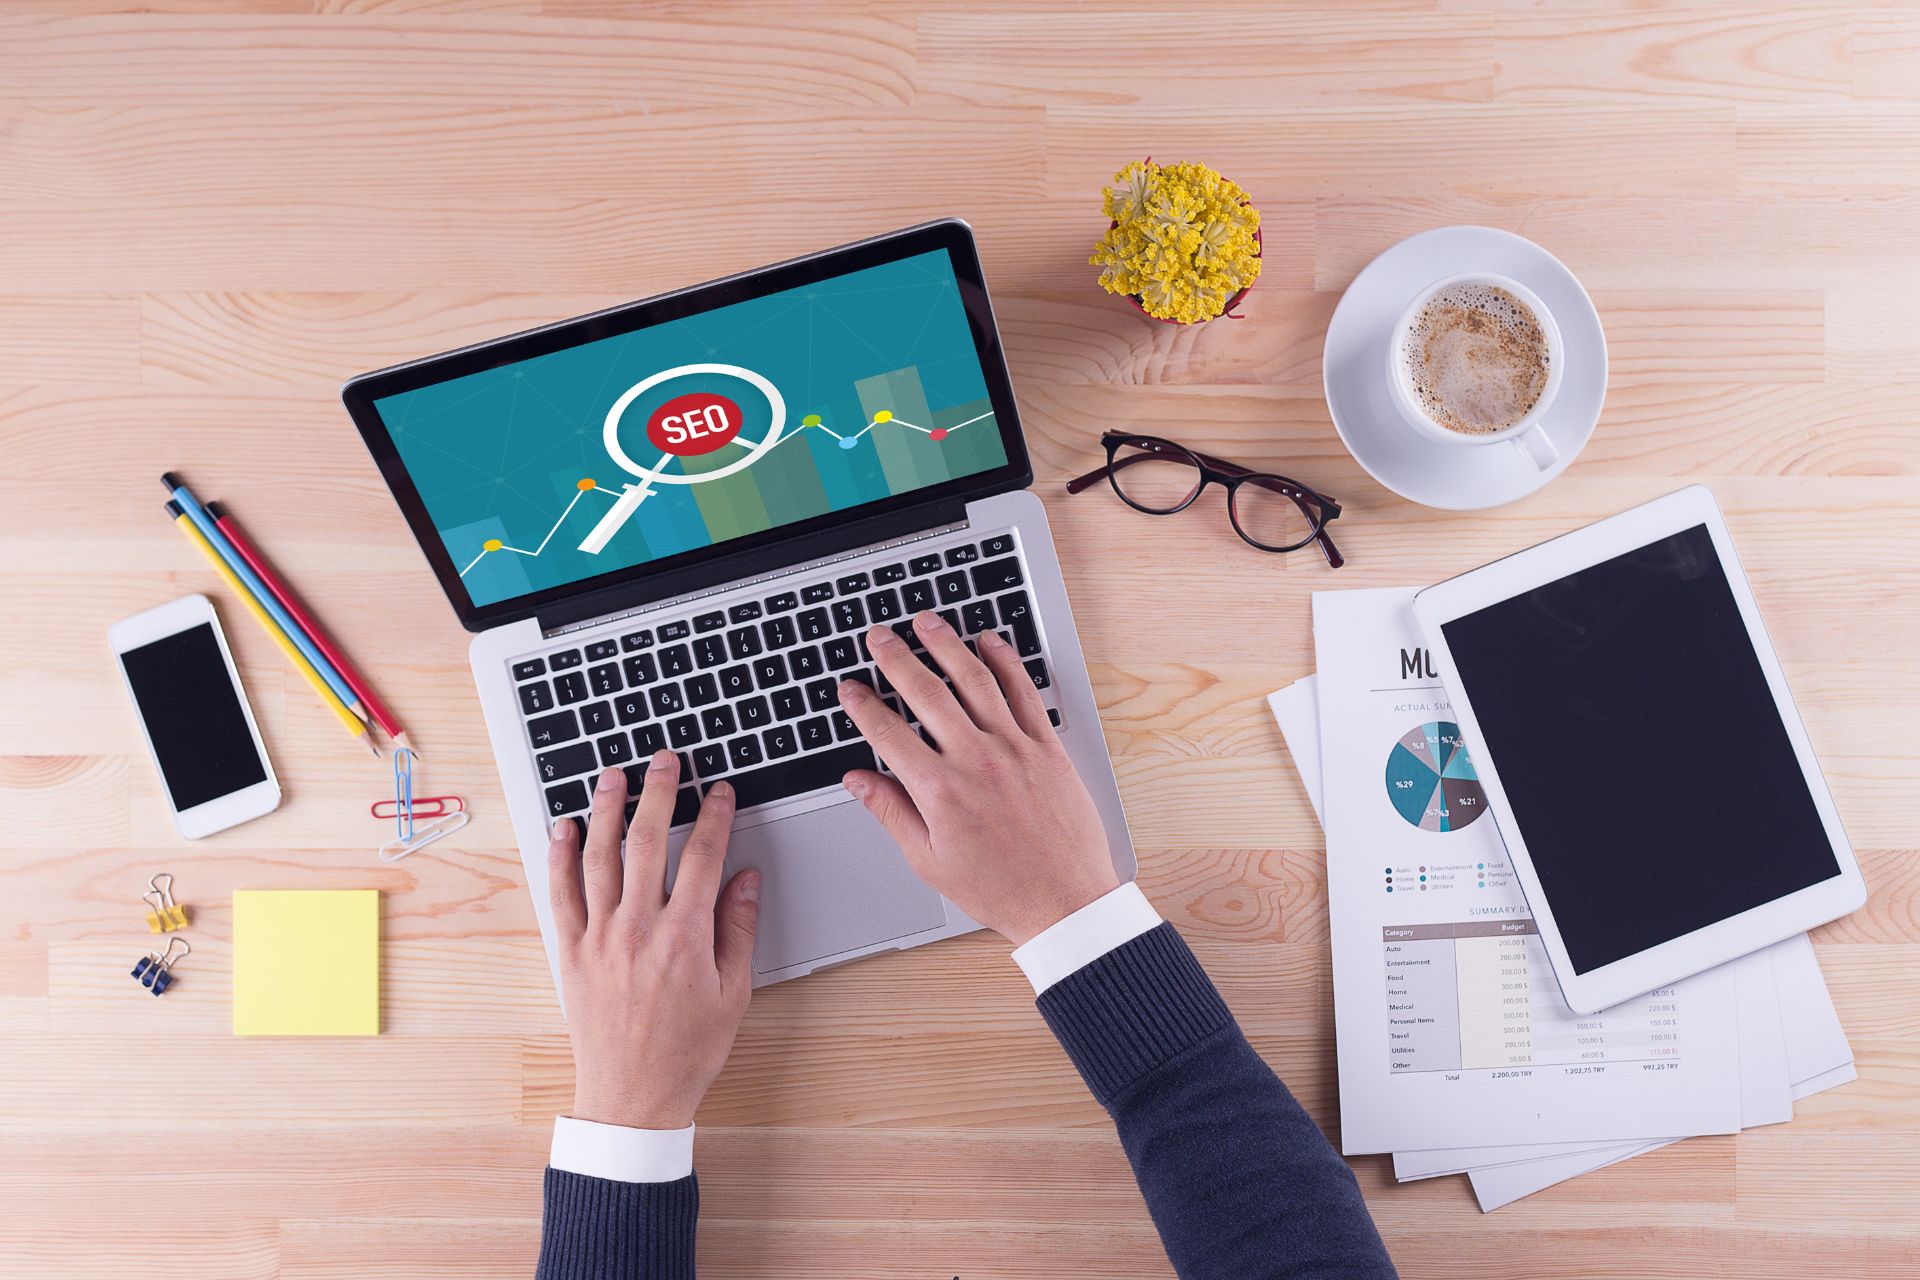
683, 435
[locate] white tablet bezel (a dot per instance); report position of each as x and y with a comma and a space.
1716, 943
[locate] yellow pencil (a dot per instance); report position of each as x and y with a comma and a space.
239, 588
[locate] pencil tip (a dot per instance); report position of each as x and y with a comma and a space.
371, 745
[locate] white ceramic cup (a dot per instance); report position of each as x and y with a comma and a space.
1527, 434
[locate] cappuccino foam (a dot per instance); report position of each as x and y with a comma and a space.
1476, 358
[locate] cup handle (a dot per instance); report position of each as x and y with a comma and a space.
1534, 443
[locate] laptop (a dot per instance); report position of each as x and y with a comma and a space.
670, 524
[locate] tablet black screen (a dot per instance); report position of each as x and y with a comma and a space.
1641, 754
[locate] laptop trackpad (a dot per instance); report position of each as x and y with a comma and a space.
832, 881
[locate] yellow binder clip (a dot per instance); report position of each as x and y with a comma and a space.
165, 915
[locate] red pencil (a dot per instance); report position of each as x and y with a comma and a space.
322, 641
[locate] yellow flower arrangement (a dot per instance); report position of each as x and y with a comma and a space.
1182, 242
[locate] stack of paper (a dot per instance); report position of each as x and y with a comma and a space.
1456, 1052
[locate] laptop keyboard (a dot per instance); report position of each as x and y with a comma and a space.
748, 693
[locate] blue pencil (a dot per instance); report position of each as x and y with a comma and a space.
244, 571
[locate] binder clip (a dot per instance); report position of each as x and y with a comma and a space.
447, 814
155, 970
165, 915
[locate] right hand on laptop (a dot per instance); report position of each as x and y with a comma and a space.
995, 818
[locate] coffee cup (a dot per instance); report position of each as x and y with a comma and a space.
1464, 372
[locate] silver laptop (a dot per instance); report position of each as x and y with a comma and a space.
670, 524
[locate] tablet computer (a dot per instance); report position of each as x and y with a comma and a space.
1640, 750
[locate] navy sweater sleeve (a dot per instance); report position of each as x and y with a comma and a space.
596, 1229
1240, 1182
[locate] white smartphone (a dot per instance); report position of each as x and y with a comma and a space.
194, 716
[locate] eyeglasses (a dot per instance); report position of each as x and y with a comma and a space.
1160, 477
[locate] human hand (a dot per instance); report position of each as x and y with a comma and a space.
655, 986
994, 817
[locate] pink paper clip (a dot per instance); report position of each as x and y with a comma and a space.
422, 807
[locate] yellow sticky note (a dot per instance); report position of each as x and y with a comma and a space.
306, 962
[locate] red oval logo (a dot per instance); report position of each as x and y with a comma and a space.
698, 422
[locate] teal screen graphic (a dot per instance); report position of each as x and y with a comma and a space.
630, 449
1430, 778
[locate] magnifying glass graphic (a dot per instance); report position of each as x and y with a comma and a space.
687, 444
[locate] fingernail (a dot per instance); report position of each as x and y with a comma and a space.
993, 640
882, 638
851, 689
661, 762
750, 886
930, 621
856, 787
722, 789
609, 779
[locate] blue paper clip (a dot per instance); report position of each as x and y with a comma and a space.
155, 971
448, 813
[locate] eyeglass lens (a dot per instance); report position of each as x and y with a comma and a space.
1159, 480
1267, 516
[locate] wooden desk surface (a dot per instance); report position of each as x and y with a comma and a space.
211, 215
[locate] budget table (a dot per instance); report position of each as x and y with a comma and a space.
215, 212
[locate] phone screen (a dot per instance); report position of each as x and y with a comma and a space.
193, 716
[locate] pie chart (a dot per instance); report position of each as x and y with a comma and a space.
1430, 778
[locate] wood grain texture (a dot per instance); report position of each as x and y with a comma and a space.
216, 210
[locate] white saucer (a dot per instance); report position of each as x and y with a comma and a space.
1354, 370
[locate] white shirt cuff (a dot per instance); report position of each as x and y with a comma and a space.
620, 1154
1109, 921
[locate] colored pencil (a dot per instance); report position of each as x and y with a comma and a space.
257, 560
272, 628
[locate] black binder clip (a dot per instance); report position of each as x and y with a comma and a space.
155, 970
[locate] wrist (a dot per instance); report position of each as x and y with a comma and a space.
1053, 903
628, 1111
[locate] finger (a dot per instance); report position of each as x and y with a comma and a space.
892, 739
563, 882
646, 879
600, 863
923, 691
697, 882
735, 921
973, 684
889, 802
1029, 712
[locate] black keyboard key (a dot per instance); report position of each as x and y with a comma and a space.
779, 632
814, 625
634, 640
800, 774
640, 670
551, 731
649, 738
744, 612
600, 650
906, 632
806, 663
785, 602
977, 616
754, 713
674, 631
568, 797
917, 597
953, 587
570, 688
667, 699
841, 653
717, 722
817, 732
864, 676
675, 659
884, 606
996, 575
1038, 671
615, 748
770, 671
744, 752
852, 584
823, 695
529, 669
736, 681
889, 573
844, 727
1017, 614
630, 707
709, 651
683, 731
744, 643
780, 742
535, 698
998, 545
567, 762
596, 717
963, 555
951, 617
564, 660
920, 566
686, 805
788, 703
816, 593
849, 615
1053, 716
709, 621
710, 759
605, 679
702, 690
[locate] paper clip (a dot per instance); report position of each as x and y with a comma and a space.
447, 813
155, 970
423, 834
166, 914
422, 807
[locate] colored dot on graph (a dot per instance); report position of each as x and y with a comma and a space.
938, 433
811, 420
491, 544
885, 415
848, 442
585, 484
